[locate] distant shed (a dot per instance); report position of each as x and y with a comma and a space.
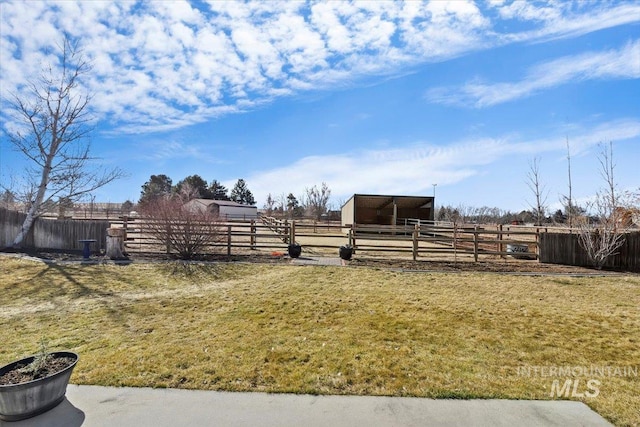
386, 210
225, 209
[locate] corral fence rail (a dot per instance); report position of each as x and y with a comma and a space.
419, 239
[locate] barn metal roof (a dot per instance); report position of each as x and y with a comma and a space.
378, 201
208, 202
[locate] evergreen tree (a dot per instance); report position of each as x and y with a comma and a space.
218, 191
294, 209
197, 184
126, 207
241, 194
157, 186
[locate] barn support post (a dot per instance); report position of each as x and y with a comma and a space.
475, 243
353, 237
394, 218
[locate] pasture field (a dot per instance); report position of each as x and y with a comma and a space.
331, 330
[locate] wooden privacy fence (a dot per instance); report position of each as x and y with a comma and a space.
563, 248
51, 233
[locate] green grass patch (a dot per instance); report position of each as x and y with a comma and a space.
327, 330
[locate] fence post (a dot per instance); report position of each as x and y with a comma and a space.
353, 237
286, 230
475, 243
253, 235
229, 241
292, 231
500, 245
168, 241
416, 231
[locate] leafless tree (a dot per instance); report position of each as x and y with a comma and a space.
317, 200
50, 124
602, 236
539, 191
188, 232
567, 200
458, 218
269, 205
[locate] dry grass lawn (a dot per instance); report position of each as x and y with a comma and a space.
337, 330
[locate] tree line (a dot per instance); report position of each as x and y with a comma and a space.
313, 203
194, 187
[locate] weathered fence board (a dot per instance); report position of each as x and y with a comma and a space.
563, 248
51, 233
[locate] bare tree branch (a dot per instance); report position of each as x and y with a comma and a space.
602, 235
53, 122
187, 232
539, 191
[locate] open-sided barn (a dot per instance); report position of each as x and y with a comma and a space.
224, 209
386, 210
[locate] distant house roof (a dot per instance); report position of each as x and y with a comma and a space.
209, 202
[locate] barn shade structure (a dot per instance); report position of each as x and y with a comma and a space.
386, 210
225, 209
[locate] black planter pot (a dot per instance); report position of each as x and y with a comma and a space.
346, 252
26, 400
294, 250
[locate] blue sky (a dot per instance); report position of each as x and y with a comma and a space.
369, 97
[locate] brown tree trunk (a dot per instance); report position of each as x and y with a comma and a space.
115, 243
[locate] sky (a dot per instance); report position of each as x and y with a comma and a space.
373, 97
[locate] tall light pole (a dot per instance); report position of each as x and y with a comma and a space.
434, 201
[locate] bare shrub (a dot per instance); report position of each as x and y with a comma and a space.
187, 232
602, 233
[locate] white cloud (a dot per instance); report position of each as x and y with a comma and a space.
621, 63
554, 20
165, 64
417, 167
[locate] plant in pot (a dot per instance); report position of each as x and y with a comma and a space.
294, 250
35, 384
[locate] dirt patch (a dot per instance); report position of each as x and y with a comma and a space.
497, 265
23, 373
